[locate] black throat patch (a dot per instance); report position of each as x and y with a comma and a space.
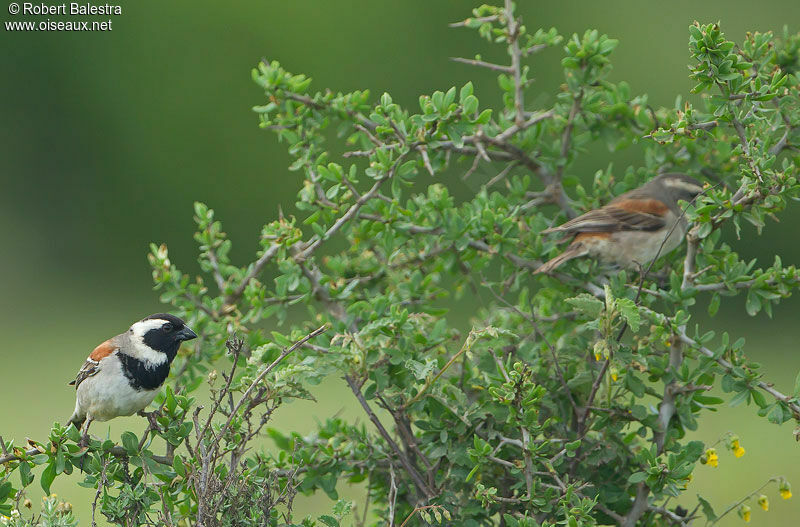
142, 377
158, 340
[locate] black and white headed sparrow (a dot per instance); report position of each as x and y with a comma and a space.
123, 374
632, 228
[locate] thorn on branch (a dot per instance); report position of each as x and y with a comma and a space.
481, 20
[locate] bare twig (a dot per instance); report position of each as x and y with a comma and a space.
101, 484
638, 508
257, 381
501, 175
116, 451
419, 482
512, 25
483, 64
392, 498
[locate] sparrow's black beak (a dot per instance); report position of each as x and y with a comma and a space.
186, 334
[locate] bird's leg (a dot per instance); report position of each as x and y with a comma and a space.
84, 442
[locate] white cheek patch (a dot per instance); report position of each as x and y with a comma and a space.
141, 350
683, 185
142, 327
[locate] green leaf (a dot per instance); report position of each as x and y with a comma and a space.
465, 92
455, 135
48, 475
470, 105
169, 400
740, 397
630, 312
637, 477
587, 304
330, 521
5, 490
796, 392
484, 117
713, 306
60, 461
130, 443
177, 466
419, 369
708, 510
73, 433
25, 475
753, 304
759, 398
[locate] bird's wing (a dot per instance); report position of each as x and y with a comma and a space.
622, 214
93, 362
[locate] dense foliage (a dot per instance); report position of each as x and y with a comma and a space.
569, 400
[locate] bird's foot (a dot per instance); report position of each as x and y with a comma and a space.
84, 442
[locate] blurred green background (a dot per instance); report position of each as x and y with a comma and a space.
106, 139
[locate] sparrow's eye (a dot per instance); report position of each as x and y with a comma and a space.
167, 327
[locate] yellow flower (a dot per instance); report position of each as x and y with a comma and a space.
600, 350
744, 512
763, 502
711, 457
786, 494
736, 447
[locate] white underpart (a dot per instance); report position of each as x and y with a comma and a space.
142, 351
108, 393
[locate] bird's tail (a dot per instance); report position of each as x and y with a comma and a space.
575, 250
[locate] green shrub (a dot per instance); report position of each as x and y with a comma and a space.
567, 403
